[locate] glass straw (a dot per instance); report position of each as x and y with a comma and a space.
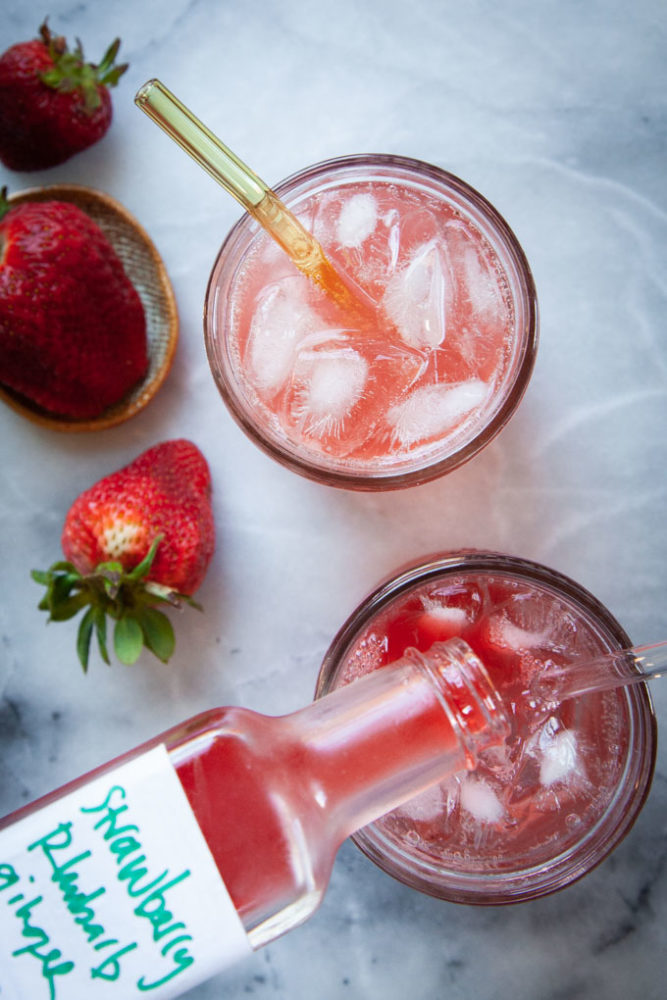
618, 669
260, 201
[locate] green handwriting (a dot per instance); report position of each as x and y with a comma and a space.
38, 948
149, 890
66, 877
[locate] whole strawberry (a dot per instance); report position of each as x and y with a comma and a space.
53, 103
72, 325
139, 538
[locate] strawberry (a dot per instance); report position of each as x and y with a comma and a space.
52, 102
139, 538
72, 326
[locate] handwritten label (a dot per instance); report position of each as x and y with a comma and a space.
111, 891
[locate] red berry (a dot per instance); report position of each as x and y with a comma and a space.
139, 538
72, 326
53, 103
165, 491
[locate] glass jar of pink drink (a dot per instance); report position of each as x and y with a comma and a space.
434, 375
545, 809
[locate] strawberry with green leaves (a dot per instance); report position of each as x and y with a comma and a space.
138, 540
53, 103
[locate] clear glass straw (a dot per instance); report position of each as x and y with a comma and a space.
618, 669
165, 109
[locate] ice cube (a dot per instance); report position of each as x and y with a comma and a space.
425, 807
419, 227
416, 298
479, 799
432, 410
559, 756
281, 320
512, 637
438, 622
528, 623
474, 273
357, 220
453, 619
468, 597
392, 222
555, 751
329, 379
481, 285
336, 382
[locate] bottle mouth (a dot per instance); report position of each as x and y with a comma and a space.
468, 695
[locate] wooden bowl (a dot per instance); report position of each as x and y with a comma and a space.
146, 271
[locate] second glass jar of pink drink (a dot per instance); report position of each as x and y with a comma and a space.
411, 396
540, 812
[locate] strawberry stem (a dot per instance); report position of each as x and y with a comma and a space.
124, 596
71, 72
4, 202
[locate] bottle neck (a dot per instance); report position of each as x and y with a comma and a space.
373, 744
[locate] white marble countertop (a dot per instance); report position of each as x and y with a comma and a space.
557, 113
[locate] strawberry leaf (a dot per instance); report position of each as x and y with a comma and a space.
158, 632
142, 568
190, 601
71, 72
109, 568
64, 584
107, 72
159, 594
84, 636
128, 640
59, 581
124, 596
100, 620
63, 610
109, 57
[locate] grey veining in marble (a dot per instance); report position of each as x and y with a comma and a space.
557, 112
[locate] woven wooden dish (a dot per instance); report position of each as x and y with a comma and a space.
146, 271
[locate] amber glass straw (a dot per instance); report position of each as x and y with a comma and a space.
165, 109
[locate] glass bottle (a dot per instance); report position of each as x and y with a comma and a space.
157, 870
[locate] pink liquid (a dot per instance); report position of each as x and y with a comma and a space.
243, 828
430, 371
540, 795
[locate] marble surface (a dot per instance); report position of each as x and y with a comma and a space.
556, 111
